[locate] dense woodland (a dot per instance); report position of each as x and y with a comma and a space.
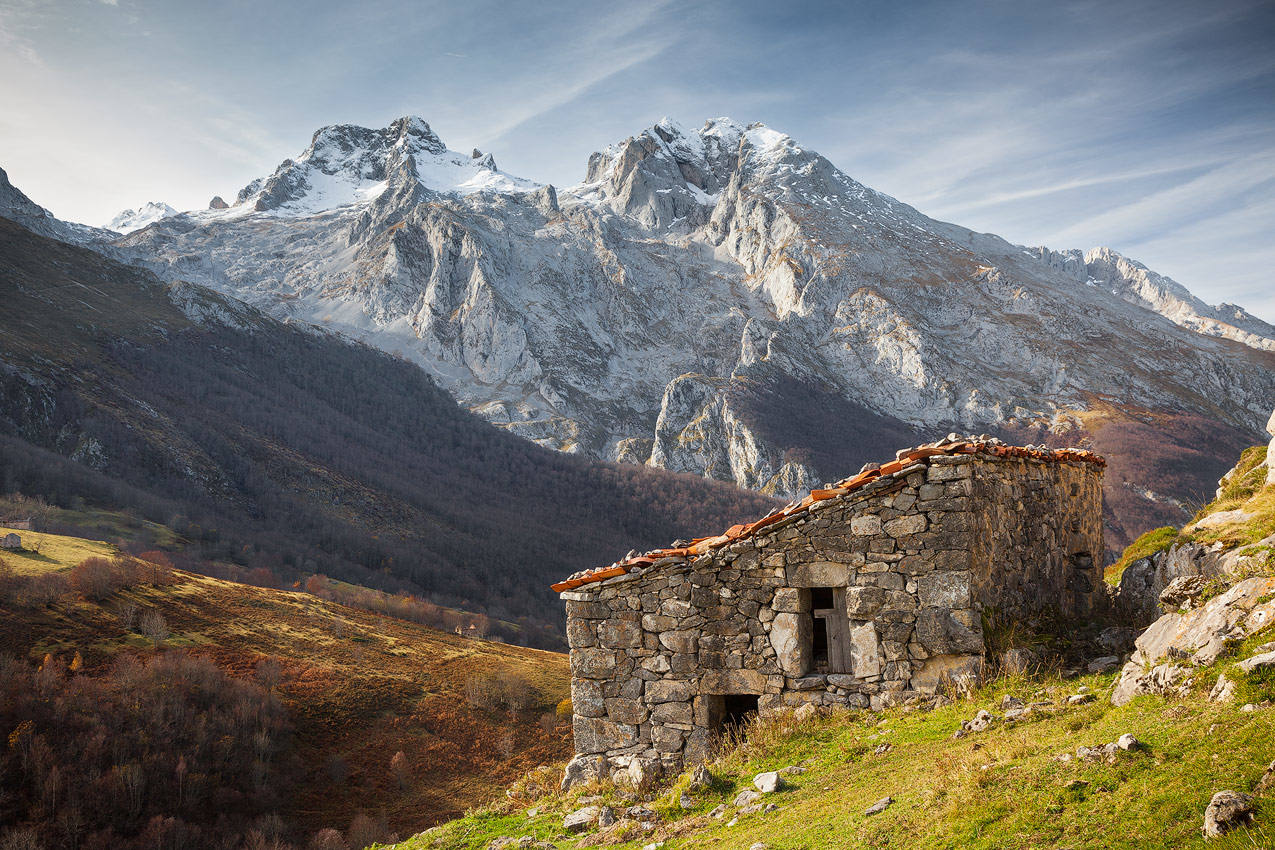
267, 446
156, 753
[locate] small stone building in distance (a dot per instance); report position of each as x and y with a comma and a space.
862, 595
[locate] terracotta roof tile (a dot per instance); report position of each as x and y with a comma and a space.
906, 460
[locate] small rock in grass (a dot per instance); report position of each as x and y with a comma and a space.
718, 812
806, 712
654, 845
1266, 784
686, 802
751, 809
1103, 664
1016, 713
580, 819
881, 750
640, 813
1008, 701
757, 846
1223, 691
791, 770
768, 782
1079, 699
746, 797
1265, 661
1227, 810
700, 779
1248, 706
606, 816
980, 722
1128, 742
732, 821
879, 806
770, 807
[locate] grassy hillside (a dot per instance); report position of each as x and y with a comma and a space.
1007, 787
42, 552
358, 688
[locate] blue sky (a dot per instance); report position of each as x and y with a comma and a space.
1149, 127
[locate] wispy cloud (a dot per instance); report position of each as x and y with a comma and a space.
1147, 124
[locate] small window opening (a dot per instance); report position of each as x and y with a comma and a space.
821, 597
829, 631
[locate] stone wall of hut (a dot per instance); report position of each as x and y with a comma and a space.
862, 600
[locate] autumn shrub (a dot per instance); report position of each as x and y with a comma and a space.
96, 578
327, 839
166, 752
157, 567
482, 690
152, 624
401, 770
365, 830
41, 590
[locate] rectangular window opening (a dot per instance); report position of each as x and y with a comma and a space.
829, 634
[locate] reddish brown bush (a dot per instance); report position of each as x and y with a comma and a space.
401, 770
96, 578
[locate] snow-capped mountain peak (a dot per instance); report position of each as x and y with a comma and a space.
347, 164
147, 214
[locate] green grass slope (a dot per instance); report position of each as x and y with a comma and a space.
1006, 787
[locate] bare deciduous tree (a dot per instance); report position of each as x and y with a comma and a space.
401, 770
153, 626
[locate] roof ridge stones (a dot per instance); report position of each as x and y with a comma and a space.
906, 460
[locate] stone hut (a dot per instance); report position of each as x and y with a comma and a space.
861, 594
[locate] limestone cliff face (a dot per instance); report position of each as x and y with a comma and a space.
618, 317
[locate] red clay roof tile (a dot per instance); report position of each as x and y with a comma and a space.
908, 459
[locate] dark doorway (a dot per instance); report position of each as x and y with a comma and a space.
738, 709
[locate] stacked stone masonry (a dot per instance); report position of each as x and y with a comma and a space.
863, 600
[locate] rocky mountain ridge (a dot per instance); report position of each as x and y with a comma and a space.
720, 301
17, 207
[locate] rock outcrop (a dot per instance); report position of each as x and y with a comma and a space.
1270, 450
1167, 652
1170, 579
